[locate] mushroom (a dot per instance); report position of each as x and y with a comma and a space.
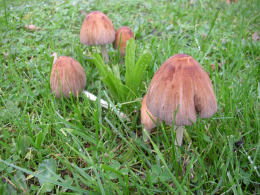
123, 34
178, 90
67, 76
97, 29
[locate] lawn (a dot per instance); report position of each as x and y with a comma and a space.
73, 145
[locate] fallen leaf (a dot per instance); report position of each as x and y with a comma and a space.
32, 27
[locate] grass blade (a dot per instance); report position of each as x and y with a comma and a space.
129, 61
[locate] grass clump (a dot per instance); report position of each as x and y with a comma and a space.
134, 74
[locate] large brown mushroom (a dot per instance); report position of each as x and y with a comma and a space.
67, 76
123, 34
178, 90
97, 29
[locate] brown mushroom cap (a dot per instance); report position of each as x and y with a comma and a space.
181, 87
147, 119
125, 33
97, 29
67, 75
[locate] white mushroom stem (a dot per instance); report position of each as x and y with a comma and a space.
92, 97
104, 53
180, 130
103, 103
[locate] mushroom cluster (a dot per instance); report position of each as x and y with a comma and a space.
67, 75
97, 29
178, 91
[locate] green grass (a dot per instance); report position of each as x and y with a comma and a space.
74, 146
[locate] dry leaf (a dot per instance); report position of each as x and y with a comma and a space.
32, 27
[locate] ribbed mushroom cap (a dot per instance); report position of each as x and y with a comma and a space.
67, 75
125, 33
97, 29
181, 86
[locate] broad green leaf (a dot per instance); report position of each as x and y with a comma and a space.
113, 169
115, 164
124, 171
139, 69
116, 71
19, 180
67, 181
47, 169
42, 177
117, 88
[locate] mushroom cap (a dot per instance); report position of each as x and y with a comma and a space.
97, 29
67, 75
125, 33
179, 89
147, 119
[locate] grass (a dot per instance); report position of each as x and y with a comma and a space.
74, 146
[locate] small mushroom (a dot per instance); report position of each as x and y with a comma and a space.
97, 29
123, 34
178, 90
67, 76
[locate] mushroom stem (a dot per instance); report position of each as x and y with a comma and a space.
180, 130
104, 53
103, 103
92, 97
